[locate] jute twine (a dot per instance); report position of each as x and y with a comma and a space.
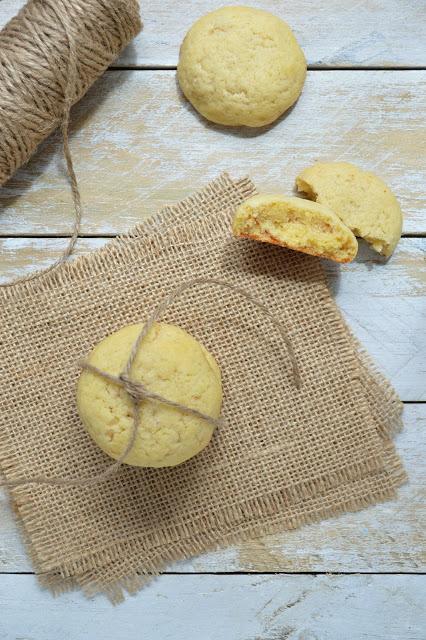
138, 392
50, 54
65, 86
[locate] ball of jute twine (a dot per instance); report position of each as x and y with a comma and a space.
51, 52
63, 79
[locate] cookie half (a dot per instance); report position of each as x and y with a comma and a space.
360, 198
297, 224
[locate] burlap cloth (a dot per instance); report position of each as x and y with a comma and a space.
284, 457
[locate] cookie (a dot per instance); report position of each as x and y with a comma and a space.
241, 66
295, 223
360, 199
171, 363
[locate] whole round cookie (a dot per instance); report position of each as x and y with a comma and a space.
241, 66
171, 363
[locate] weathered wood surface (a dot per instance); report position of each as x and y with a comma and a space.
386, 537
240, 607
387, 33
137, 145
385, 303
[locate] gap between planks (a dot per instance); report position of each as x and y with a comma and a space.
310, 67
83, 236
257, 573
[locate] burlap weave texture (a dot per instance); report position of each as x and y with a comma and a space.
284, 456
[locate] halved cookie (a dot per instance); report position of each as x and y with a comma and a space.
295, 223
360, 199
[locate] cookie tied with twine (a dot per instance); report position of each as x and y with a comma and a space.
139, 392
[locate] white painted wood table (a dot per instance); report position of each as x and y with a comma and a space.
137, 145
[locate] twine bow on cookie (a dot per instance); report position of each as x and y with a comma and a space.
139, 392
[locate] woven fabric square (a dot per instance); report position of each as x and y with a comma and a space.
284, 456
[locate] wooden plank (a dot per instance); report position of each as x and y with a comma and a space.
385, 304
137, 145
387, 33
386, 537
233, 607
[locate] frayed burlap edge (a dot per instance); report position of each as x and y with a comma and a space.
133, 573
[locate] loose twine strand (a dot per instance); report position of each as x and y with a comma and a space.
68, 89
138, 391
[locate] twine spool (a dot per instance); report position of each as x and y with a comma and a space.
50, 54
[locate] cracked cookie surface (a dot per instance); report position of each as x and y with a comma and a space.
241, 66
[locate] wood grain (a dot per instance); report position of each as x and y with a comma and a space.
386, 537
137, 145
387, 33
384, 303
229, 607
